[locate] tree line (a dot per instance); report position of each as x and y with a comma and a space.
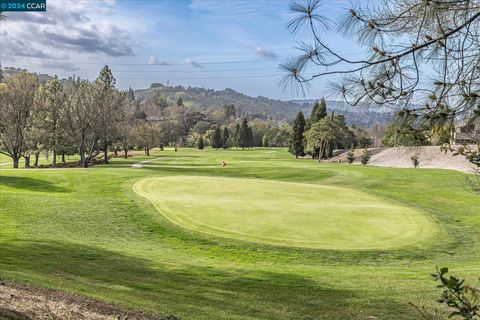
320, 134
79, 117
94, 118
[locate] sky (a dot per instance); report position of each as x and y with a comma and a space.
217, 44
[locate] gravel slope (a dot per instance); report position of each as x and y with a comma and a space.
400, 157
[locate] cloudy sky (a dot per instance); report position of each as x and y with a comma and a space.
216, 44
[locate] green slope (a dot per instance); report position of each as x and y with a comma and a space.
88, 232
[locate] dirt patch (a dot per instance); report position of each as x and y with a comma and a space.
25, 302
429, 157
401, 157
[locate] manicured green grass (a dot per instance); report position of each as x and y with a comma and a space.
285, 213
7, 163
86, 231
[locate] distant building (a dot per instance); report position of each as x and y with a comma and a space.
467, 134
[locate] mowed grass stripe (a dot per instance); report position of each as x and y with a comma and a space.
283, 213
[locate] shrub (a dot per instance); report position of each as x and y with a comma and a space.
366, 155
460, 298
415, 161
350, 156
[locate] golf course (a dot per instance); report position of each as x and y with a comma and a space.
265, 237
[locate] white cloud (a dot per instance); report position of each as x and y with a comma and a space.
193, 63
69, 27
265, 53
154, 61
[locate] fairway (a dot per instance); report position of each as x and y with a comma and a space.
283, 213
267, 237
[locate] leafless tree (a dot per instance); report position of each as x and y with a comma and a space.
149, 135
127, 125
16, 103
81, 119
50, 108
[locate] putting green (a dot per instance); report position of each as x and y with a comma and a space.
282, 213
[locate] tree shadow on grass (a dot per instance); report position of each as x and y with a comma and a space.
276, 173
30, 184
182, 290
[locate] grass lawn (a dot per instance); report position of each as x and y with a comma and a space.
285, 213
7, 163
267, 237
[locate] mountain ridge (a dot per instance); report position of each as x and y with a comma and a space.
261, 107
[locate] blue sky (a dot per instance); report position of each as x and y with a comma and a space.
216, 44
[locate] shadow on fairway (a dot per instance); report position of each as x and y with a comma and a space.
182, 290
240, 171
30, 184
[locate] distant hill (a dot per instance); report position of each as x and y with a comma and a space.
196, 98
260, 107
10, 71
43, 77
340, 105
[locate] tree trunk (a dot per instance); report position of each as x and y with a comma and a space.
54, 158
27, 161
115, 151
147, 151
16, 159
105, 154
37, 157
321, 151
63, 157
82, 156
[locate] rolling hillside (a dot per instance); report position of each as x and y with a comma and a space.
261, 107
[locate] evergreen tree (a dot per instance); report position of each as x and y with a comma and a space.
105, 96
319, 137
106, 78
404, 132
236, 136
243, 134
297, 147
250, 141
180, 102
200, 144
131, 94
366, 156
319, 112
217, 138
350, 156
225, 137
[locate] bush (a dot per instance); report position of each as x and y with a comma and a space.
350, 156
415, 161
366, 156
460, 298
